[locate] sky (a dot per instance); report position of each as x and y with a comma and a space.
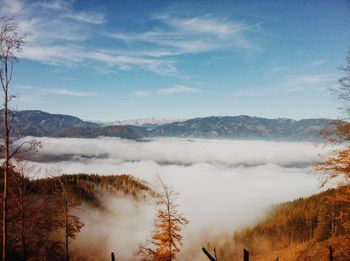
117, 60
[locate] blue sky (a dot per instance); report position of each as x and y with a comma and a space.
114, 60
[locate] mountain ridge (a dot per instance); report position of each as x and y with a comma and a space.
39, 124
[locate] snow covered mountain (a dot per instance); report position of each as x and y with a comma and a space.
146, 122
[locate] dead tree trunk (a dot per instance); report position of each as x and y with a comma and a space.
6, 170
10, 45
330, 253
245, 255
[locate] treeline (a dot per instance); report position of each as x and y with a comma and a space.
295, 229
88, 186
41, 223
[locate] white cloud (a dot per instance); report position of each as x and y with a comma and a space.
250, 92
223, 184
53, 54
291, 83
177, 89
34, 94
141, 93
55, 5
68, 92
68, 12
168, 91
308, 79
178, 36
10, 7
188, 152
316, 63
299, 82
125, 62
205, 25
92, 18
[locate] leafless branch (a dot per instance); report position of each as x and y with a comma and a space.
33, 147
206, 252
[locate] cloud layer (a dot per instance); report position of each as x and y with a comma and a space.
184, 151
223, 184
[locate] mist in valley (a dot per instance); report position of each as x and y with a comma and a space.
223, 185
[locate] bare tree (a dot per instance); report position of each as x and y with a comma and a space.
11, 42
23, 211
338, 164
343, 91
71, 223
168, 224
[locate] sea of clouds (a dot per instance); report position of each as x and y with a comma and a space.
222, 184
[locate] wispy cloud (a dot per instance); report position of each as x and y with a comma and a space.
61, 37
65, 36
142, 93
10, 7
177, 89
68, 12
92, 18
69, 92
291, 83
250, 92
54, 5
298, 82
34, 93
316, 63
168, 91
178, 36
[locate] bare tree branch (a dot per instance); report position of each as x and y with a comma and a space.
206, 252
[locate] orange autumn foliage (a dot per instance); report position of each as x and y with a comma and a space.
337, 165
166, 238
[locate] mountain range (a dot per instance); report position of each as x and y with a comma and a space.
39, 124
146, 122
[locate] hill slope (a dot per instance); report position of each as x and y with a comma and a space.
39, 123
42, 124
302, 229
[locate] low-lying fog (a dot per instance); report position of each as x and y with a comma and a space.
223, 184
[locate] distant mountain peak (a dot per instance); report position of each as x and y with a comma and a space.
144, 122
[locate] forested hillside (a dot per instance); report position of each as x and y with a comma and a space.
39, 214
302, 229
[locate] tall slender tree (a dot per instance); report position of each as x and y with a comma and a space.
166, 238
71, 224
338, 164
11, 41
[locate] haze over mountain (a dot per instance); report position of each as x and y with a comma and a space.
40, 124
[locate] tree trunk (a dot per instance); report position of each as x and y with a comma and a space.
23, 219
6, 170
245, 255
169, 231
67, 227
